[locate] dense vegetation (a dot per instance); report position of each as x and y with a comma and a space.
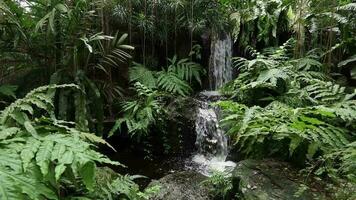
74, 74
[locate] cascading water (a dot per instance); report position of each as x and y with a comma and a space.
220, 68
211, 142
210, 138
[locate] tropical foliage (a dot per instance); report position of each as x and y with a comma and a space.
293, 109
46, 158
103, 67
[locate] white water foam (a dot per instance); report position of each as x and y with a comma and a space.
211, 143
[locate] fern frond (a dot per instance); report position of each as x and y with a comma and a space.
171, 83
35, 148
143, 75
349, 6
250, 126
36, 98
141, 113
185, 69
347, 61
111, 186
337, 17
8, 90
326, 92
14, 186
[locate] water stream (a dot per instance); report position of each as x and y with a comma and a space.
211, 141
220, 71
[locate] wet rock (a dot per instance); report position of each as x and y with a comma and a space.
181, 128
185, 185
210, 96
269, 180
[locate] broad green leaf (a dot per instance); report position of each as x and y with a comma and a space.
87, 173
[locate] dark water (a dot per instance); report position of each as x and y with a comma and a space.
152, 168
153, 165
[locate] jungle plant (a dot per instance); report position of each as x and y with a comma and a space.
297, 109
176, 79
100, 58
42, 157
66, 38
220, 185
141, 113
153, 91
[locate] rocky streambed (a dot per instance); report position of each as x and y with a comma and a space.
251, 180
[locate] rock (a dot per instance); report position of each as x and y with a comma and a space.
182, 186
269, 180
210, 96
181, 136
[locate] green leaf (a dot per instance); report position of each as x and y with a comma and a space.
8, 90
127, 47
347, 61
59, 170
62, 8
87, 173
143, 75
312, 148
43, 156
30, 129
28, 153
8, 132
294, 143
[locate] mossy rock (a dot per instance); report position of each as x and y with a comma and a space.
270, 180
185, 185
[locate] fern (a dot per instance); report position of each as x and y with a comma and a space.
37, 98
265, 77
185, 69
39, 153
139, 73
347, 156
250, 126
18, 185
326, 92
292, 108
349, 6
141, 113
176, 79
347, 61
112, 186
170, 82
8, 90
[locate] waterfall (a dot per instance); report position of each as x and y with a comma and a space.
220, 68
211, 141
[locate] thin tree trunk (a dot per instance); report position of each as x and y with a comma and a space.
191, 31
130, 19
166, 29
144, 34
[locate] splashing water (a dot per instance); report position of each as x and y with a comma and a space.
210, 138
211, 143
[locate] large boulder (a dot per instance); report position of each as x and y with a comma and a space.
185, 185
269, 180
